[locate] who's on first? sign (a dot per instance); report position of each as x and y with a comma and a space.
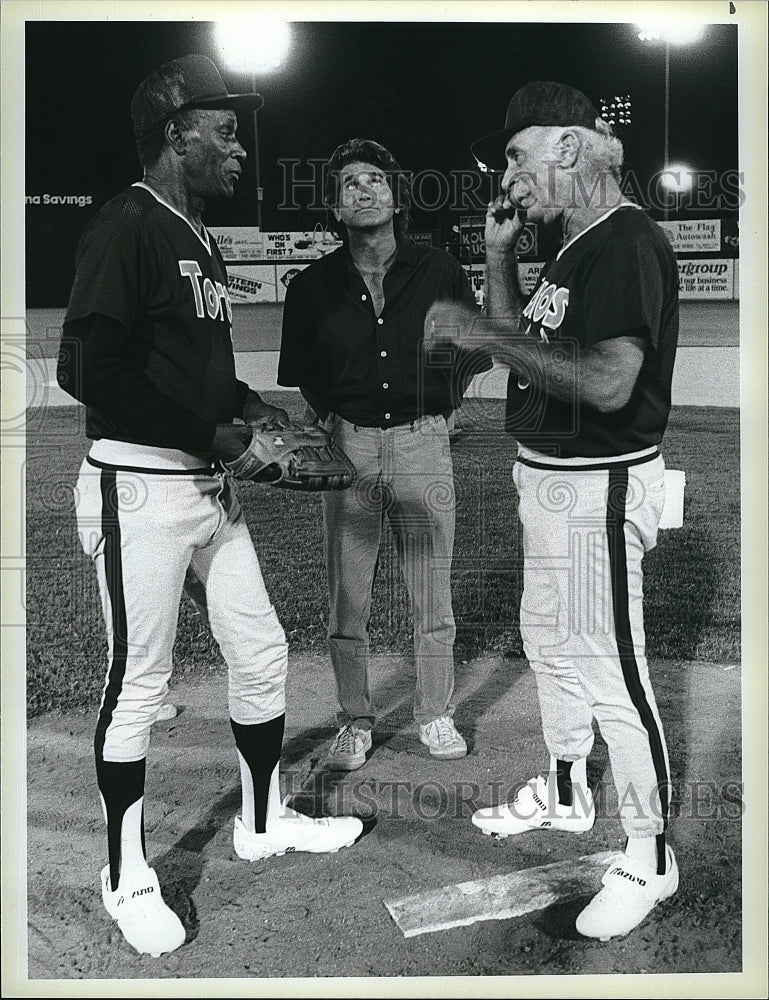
245, 243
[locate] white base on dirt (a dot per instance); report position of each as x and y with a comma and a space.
499, 897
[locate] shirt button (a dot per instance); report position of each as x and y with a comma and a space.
387, 416
363, 298
383, 354
385, 385
380, 321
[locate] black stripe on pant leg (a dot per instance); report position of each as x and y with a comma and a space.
120, 784
113, 570
615, 532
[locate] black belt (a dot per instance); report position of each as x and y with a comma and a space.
207, 470
603, 464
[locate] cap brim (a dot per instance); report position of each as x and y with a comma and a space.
237, 102
489, 150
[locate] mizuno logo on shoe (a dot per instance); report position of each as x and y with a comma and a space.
539, 802
142, 892
627, 875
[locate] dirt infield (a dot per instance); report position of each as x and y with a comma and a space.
325, 916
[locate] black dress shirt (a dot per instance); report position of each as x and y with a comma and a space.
373, 370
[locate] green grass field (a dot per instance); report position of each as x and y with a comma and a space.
692, 578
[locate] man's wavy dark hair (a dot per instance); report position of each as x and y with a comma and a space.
367, 151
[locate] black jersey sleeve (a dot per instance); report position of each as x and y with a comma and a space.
624, 291
297, 364
112, 270
98, 365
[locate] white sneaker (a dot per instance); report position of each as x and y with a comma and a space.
293, 831
349, 749
531, 810
442, 738
147, 924
630, 892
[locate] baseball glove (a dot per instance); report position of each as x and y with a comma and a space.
294, 458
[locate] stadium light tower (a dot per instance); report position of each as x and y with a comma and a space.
254, 45
670, 32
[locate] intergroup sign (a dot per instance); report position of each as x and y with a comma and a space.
713, 275
713, 278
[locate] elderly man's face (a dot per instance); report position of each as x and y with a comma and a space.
533, 179
214, 157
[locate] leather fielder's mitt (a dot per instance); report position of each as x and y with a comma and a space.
294, 458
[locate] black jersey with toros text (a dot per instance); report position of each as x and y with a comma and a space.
617, 278
143, 266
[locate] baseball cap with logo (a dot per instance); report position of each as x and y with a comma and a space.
540, 102
189, 82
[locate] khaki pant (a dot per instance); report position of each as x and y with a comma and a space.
405, 474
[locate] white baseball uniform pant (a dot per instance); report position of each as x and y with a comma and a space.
155, 524
586, 527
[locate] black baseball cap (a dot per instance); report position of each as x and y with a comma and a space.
189, 82
541, 102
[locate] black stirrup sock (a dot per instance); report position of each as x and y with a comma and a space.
260, 746
120, 785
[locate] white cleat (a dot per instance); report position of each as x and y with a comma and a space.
147, 924
630, 892
293, 831
532, 810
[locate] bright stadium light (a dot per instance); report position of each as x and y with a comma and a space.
672, 32
617, 110
677, 177
253, 44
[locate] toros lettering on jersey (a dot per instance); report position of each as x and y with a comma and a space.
548, 305
209, 294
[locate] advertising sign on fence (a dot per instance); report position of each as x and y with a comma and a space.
689, 236
472, 239
527, 277
252, 283
238, 242
706, 279
284, 274
244, 243
425, 237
